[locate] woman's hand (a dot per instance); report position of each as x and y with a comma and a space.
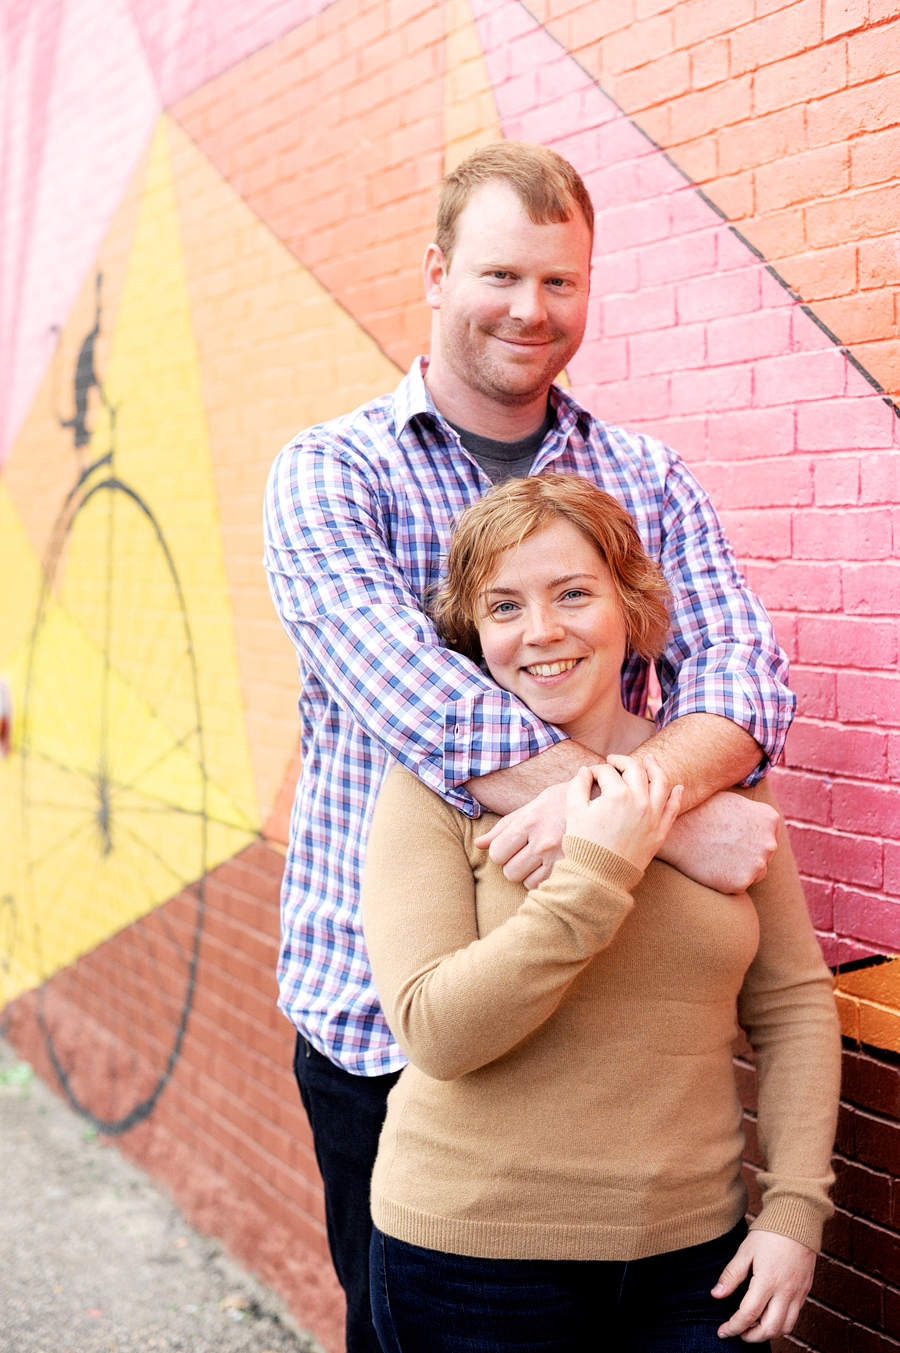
782, 1276
633, 811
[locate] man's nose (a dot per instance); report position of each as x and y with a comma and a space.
528, 304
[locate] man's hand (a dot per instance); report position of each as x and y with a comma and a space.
528, 842
725, 843
782, 1276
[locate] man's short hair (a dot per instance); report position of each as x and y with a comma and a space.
546, 185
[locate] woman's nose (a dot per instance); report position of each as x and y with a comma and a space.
543, 626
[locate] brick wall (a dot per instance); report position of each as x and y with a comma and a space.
255, 190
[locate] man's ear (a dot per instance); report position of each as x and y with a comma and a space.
434, 270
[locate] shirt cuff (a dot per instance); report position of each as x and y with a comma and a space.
765, 714
488, 731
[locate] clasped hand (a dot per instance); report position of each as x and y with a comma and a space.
633, 811
631, 814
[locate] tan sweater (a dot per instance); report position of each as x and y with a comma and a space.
571, 1092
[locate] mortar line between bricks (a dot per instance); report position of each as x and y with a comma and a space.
782, 282
169, 112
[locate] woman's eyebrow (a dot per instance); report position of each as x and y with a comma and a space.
554, 582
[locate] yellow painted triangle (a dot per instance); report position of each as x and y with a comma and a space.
161, 452
470, 111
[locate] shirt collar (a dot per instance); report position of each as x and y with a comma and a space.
411, 399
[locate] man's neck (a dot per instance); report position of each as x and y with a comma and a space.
482, 415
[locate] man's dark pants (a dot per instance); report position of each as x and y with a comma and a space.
346, 1113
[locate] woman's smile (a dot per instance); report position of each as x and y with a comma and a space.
552, 631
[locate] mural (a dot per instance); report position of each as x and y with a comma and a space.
212, 220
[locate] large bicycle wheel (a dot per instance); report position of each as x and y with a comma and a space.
114, 796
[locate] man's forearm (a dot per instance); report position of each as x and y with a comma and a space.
502, 791
703, 752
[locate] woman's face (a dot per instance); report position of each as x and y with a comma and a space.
552, 630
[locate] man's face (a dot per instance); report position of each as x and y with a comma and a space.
512, 305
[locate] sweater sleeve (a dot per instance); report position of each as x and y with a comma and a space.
456, 1001
787, 1008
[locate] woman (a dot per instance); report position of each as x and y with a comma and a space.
560, 1167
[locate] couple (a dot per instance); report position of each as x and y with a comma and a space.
358, 523
563, 1153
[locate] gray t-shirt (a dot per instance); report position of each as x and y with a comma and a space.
504, 460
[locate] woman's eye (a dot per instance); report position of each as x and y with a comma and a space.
505, 608
574, 594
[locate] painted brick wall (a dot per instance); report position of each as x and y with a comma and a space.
255, 189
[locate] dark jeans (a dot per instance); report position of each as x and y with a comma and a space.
447, 1303
346, 1113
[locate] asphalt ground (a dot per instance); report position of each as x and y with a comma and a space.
95, 1259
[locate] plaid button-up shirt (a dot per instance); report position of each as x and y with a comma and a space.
357, 522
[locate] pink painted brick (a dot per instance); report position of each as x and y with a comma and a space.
628, 402
730, 293
613, 138
688, 256
712, 389
803, 797
803, 587
830, 748
880, 478
689, 212
614, 273
738, 434
873, 920
623, 227
819, 896
868, 697
638, 311
892, 868
799, 376
837, 481
667, 349
839, 949
816, 692
871, 589
759, 535
854, 534
844, 425
785, 624
520, 93
847, 641
784, 482
600, 360
872, 810
737, 338
833, 855
893, 761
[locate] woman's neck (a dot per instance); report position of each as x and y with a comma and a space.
620, 732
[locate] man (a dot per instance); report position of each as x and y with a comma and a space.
358, 516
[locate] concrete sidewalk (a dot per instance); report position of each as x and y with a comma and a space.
95, 1259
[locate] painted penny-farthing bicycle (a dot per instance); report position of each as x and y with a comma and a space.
114, 793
